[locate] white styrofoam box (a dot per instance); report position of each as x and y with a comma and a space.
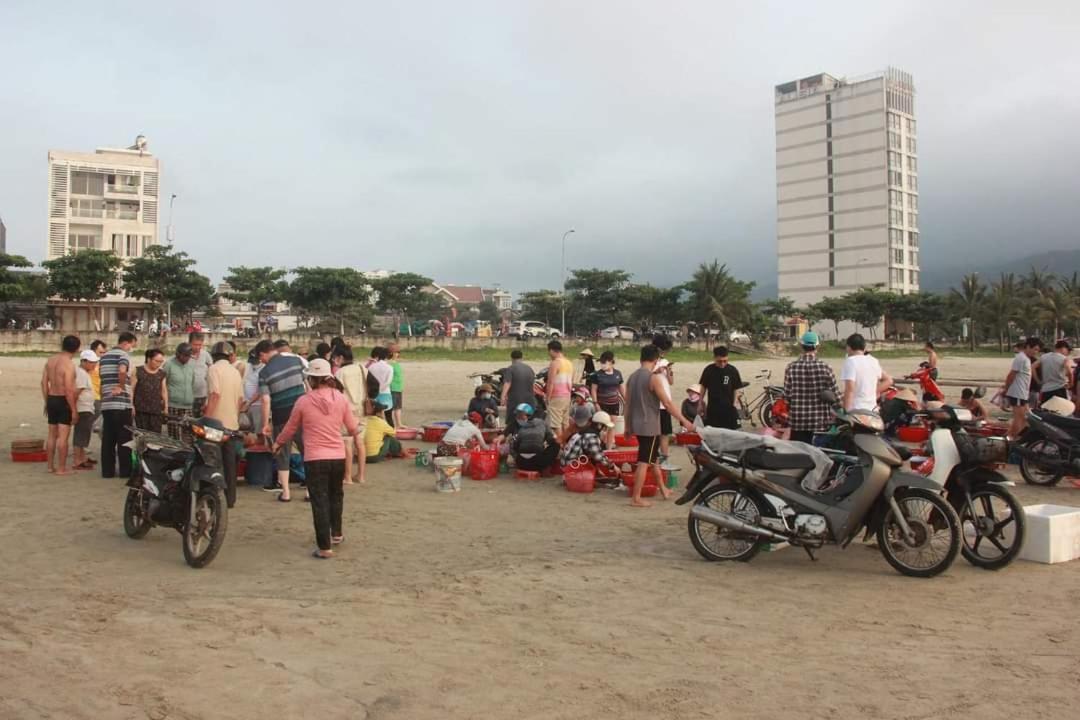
1053, 533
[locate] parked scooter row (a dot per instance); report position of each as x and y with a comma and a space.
1050, 446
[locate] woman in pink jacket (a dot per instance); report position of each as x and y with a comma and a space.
320, 415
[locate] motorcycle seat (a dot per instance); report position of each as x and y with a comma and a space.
763, 459
1069, 424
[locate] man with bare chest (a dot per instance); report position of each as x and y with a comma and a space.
58, 392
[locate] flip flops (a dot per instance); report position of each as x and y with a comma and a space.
315, 554
284, 499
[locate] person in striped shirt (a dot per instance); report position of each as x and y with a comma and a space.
281, 384
114, 368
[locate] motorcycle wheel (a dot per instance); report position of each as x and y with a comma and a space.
717, 544
202, 541
135, 523
1036, 473
767, 418
994, 535
936, 529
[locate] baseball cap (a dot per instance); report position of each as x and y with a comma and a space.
88, 356
602, 418
319, 368
809, 339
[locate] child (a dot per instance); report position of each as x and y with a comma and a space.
397, 385
485, 405
969, 401
380, 439
691, 406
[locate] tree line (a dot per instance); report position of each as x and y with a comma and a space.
1038, 303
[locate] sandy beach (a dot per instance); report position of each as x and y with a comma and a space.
506, 600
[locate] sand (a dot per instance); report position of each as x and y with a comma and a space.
507, 600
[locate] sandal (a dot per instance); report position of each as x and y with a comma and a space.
316, 554
284, 499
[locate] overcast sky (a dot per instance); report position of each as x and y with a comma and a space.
461, 139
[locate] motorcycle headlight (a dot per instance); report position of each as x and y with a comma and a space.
207, 433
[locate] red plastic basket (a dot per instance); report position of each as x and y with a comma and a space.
620, 457
434, 433
483, 464
686, 438
582, 480
913, 434
39, 456
649, 488
626, 441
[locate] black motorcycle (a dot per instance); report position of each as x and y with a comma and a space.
748, 499
1049, 448
181, 486
495, 380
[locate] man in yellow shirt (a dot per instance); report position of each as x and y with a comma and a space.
380, 439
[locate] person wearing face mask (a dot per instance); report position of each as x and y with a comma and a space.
691, 406
485, 405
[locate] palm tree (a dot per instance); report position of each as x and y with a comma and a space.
1033, 284
1003, 306
1057, 307
1072, 287
971, 296
718, 297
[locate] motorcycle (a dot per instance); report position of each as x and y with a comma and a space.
746, 501
181, 486
1049, 448
925, 377
495, 380
992, 520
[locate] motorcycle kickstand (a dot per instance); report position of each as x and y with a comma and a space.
809, 551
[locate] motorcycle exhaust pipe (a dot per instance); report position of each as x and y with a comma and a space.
730, 522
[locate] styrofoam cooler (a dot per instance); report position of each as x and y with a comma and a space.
1053, 534
620, 424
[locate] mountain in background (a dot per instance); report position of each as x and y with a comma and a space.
1063, 263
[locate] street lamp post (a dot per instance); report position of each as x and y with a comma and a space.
563, 328
169, 237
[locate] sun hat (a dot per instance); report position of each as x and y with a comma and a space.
88, 356
907, 395
809, 339
486, 387
695, 388
602, 418
586, 353
319, 368
581, 390
1058, 405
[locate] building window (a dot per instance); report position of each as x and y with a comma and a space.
896, 178
896, 236
86, 208
896, 198
133, 246
912, 220
912, 183
894, 141
897, 277
910, 126
898, 256
894, 160
147, 241
123, 183
913, 202
913, 258
79, 241
896, 217
913, 239
894, 121
84, 183
122, 210
912, 164
911, 145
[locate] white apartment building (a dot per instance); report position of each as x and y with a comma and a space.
847, 185
3, 236
107, 200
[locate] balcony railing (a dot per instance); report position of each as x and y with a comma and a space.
129, 189
122, 214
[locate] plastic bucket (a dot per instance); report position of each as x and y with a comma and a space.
448, 474
483, 464
620, 424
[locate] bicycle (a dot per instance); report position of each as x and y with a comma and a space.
770, 407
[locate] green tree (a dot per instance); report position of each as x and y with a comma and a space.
166, 277
1002, 306
257, 285
405, 297
780, 308
1057, 308
13, 285
87, 276
836, 308
717, 297
596, 297
324, 293
489, 312
867, 306
543, 305
970, 298
651, 306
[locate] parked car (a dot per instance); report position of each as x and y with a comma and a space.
673, 331
224, 329
619, 332
532, 328
738, 337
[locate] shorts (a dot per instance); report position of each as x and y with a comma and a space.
612, 410
386, 400
58, 410
648, 450
283, 454
1059, 393
396, 395
558, 413
665, 422
1015, 402
84, 427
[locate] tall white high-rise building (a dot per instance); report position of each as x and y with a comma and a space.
847, 185
107, 200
